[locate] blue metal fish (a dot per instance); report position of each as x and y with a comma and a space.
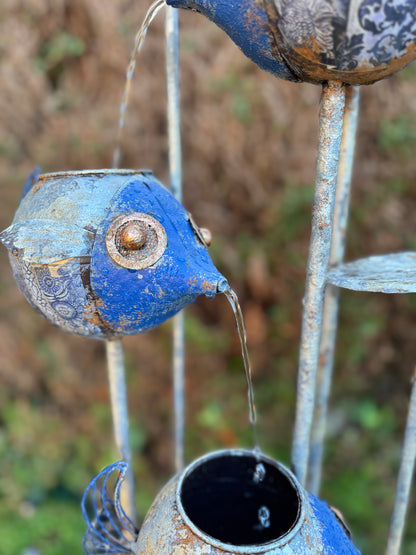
104, 253
314, 526
354, 41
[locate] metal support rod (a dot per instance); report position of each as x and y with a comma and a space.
404, 480
331, 302
175, 169
330, 134
118, 394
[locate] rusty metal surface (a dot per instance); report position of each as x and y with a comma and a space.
331, 301
389, 273
301, 523
331, 124
167, 529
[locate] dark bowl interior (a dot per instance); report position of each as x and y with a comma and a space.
221, 497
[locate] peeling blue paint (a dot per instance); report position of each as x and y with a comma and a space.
59, 253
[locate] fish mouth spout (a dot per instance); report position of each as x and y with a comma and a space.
212, 285
222, 285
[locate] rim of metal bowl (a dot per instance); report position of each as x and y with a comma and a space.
96, 173
261, 548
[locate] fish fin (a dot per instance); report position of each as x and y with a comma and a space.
30, 182
46, 241
109, 529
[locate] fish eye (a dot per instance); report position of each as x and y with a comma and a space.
136, 241
203, 234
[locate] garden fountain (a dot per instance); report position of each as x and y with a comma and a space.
89, 252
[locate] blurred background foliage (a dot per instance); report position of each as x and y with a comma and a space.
249, 146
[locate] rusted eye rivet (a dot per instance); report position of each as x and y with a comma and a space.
136, 241
133, 236
206, 235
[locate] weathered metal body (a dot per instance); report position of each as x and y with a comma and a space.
221, 493
105, 253
213, 507
354, 41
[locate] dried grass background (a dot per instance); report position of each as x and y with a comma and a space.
249, 148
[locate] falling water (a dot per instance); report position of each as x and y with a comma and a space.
138, 42
233, 299
259, 473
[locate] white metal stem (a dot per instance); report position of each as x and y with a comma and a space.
175, 169
118, 394
405, 477
331, 302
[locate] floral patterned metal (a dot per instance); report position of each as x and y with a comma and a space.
109, 529
105, 253
354, 41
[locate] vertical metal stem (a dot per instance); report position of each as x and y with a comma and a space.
330, 133
118, 394
331, 302
175, 168
404, 480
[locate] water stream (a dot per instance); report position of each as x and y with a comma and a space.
233, 299
138, 43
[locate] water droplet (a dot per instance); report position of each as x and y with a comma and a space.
264, 517
150, 15
259, 473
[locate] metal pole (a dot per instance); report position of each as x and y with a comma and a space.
404, 480
331, 302
330, 133
175, 169
118, 394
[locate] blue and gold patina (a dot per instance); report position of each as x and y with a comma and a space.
353, 41
106, 253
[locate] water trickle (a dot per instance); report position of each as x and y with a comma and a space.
233, 299
138, 42
259, 473
264, 517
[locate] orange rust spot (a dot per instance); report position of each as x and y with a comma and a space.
37, 186
311, 69
55, 266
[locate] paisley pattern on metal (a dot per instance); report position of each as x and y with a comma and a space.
354, 41
109, 530
349, 33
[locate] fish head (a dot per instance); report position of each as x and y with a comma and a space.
149, 259
106, 253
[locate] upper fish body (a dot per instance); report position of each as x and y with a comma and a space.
354, 41
106, 253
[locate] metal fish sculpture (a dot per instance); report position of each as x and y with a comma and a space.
354, 41
217, 505
105, 253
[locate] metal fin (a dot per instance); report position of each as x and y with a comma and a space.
46, 241
388, 273
31, 180
109, 529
